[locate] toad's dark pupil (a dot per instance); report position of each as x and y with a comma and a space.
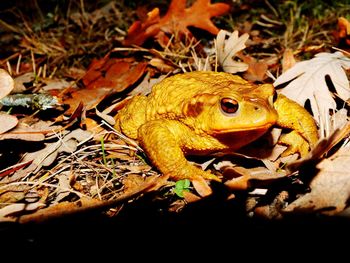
229, 105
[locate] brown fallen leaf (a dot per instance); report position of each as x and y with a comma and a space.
48, 155
190, 197
9, 210
330, 188
7, 121
108, 118
256, 69
6, 83
242, 178
66, 144
176, 21
201, 186
161, 65
104, 77
88, 205
21, 80
12, 193
117, 73
30, 130
342, 35
139, 31
288, 59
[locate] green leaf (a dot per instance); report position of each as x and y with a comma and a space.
181, 186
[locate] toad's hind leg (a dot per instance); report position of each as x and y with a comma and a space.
161, 140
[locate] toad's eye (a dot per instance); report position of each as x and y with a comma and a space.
229, 105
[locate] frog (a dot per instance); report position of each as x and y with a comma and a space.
208, 112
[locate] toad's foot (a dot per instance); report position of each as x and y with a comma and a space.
296, 144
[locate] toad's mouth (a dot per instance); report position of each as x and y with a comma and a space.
236, 138
242, 130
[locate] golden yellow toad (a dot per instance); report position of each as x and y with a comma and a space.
202, 112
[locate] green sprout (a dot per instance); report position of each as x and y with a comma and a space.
182, 186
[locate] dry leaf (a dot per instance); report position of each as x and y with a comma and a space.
226, 49
63, 186
13, 168
104, 77
20, 80
200, 64
7, 83
201, 186
256, 69
176, 21
307, 82
58, 210
108, 118
146, 85
27, 131
48, 155
113, 73
190, 197
7, 121
330, 188
56, 84
11, 209
242, 177
322, 147
288, 59
139, 31
161, 65
87, 204
12, 193
343, 33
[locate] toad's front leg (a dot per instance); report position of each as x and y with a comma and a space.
164, 143
304, 133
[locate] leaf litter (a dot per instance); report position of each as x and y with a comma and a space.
83, 164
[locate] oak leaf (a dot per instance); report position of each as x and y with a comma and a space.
307, 81
177, 20
226, 49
